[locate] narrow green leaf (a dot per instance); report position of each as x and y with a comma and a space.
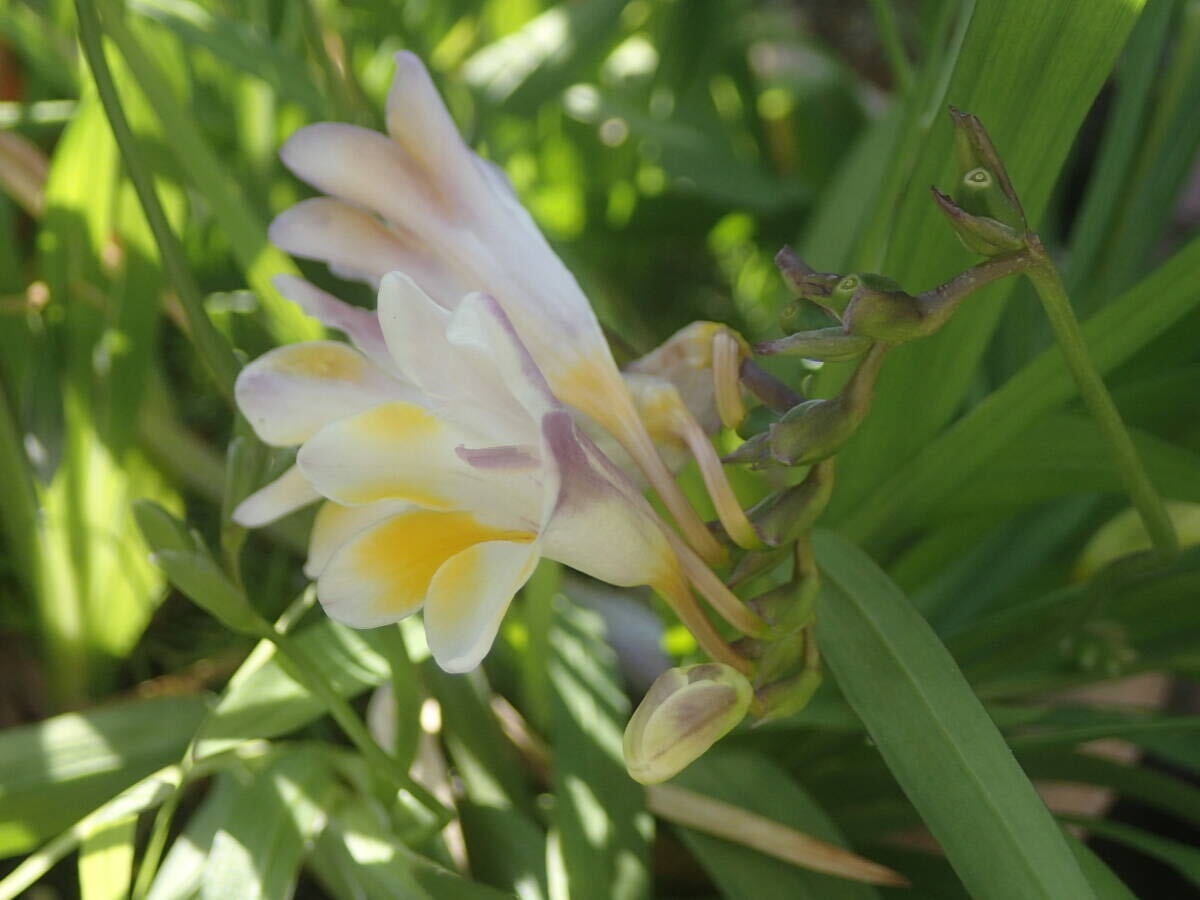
935, 735
1124, 131
487, 763
263, 701
1106, 884
247, 233
1136, 782
358, 858
145, 794
1062, 453
55, 771
181, 872
106, 861
1030, 73
1183, 858
256, 853
237, 44
601, 831
1113, 335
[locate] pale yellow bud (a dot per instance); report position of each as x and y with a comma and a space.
684, 713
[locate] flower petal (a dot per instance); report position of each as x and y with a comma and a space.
367, 169
382, 574
401, 451
286, 494
599, 523
360, 325
336, 524
353, 240
291, 392
418, 120
416, 330
480, 327
468, 597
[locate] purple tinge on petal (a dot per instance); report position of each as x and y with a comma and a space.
334, 232
368, 170
360, 325
507, 458
481, 325
597, 522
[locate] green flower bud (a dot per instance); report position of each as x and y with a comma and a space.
984, 188
826, 344
979, 234
782, 517
684, 713
884, 314
788, 697
805, 282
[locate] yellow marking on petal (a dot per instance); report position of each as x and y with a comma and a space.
402, 555
400, 423
462, 579
329, 361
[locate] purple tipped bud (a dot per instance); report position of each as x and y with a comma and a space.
684, 713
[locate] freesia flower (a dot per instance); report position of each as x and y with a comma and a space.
419, 201
451, 468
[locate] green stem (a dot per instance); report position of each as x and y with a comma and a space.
893, 45
1098, 401
213, 349
305, 669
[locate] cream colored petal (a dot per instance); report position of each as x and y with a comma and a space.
336, 524
360, 325
418, 120
286, 494
354, 241
468, 598
382, 574
368, 170
404, 452
466, 384
290, 393
598, 522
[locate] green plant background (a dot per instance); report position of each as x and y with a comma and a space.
668, 148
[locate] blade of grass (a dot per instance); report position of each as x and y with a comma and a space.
1113, 334
214, 350
935, 735
1051, 59
247, 234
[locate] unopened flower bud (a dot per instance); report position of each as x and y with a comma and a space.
788, 697
984, 190
879, 310
782, 517
826, 344
806, 282
684, 713
979, 234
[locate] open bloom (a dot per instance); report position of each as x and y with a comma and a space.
419, 201
451, 467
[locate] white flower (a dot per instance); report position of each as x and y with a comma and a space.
451, 467
419, 201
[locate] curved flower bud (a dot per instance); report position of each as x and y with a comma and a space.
419, 201
684, 713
